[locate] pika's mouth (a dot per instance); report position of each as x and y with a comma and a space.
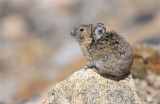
72, 34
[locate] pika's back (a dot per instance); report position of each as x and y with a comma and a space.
111, 43
112, 54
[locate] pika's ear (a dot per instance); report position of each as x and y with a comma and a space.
99, 31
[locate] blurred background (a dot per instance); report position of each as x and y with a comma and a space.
36, 50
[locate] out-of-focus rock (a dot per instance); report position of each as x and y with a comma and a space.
149, 91
88, 87
146, 66
154, 81
146, 61
14, 27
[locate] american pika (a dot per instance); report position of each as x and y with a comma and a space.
105, 51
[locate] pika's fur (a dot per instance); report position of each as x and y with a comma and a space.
105, 52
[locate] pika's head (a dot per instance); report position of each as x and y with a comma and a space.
82, 33
98, 30
87, 33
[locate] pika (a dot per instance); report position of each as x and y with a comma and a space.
107, 52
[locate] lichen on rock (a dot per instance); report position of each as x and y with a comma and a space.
87, 87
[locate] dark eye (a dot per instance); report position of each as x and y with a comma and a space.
81, 29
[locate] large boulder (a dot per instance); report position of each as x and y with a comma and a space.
87, 87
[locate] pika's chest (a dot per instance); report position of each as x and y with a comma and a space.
85, 45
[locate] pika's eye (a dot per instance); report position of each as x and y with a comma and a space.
81, 29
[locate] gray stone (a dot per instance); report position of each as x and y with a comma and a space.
87, 87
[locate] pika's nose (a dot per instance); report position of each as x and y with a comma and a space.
72, 32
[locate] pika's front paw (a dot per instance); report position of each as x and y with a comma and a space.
87, 67
95, 69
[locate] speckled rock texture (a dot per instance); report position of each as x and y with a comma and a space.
87, 87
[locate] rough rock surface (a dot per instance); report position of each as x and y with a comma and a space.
88, 87
146, 71
146, 61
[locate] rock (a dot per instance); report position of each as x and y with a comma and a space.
146, 70
88, 87
154, 81
147, 90
146, 61
14, 27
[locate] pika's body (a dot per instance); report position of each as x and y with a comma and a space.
111, 54
105, 52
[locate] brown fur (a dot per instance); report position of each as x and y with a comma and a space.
110, 54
